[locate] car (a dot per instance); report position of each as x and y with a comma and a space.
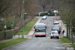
56, 28
54, 34
44, 17
55, 22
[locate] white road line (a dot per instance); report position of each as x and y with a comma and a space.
59, 47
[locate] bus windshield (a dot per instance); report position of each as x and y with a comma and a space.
40, 30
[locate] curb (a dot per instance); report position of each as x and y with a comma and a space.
68, 48
7, 48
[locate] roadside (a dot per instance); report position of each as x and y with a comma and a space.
11, 42
20, 36
32, 30
66, 42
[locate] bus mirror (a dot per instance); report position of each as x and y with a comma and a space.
34, 27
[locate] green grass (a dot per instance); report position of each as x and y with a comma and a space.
28, 27
65, 40
73, 45
12, 42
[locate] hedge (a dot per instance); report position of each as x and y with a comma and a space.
1, 35
8, 34
73, 29
42, 14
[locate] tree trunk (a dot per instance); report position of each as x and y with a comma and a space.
72, 38
67, 31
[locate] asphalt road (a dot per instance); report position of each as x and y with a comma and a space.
41, 43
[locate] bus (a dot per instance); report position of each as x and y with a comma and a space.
40, 29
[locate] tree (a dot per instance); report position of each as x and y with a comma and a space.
4, 5
43, 4
67, 14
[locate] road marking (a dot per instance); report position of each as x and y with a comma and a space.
59, 47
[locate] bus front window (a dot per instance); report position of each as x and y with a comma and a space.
42, 30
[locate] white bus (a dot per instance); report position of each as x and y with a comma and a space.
40, 29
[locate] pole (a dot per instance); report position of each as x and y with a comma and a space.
71, 30
49, 5
14, 25
41, 5
23, 27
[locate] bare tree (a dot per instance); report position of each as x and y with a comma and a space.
4, 5
43, 4
68, 12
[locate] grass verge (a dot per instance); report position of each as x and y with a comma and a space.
73, 45
65, 40
28, 27
12, 42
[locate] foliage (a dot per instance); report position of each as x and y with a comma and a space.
42, 14
12, 42
8, 34
43, 4
4, 5
46, 13
29, 8
67, 14
73, 29
14, 9
2, 25
1, 35
51, 13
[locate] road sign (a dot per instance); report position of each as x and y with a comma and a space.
55, 14
12, 24
48, 13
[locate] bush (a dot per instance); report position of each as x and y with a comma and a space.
42, 14
6, 34
2, 23
51, 13
1, 35
73, 29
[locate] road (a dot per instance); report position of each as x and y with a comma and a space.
40, 43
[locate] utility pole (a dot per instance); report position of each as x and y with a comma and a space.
23, 21
41, 5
